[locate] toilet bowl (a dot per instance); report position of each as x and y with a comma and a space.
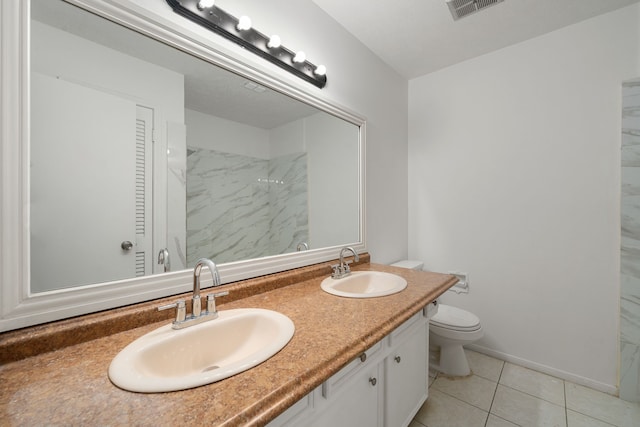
449, 330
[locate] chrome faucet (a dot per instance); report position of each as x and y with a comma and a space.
197, 315
342, 268
197, 307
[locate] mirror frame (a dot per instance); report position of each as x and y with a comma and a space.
19, 307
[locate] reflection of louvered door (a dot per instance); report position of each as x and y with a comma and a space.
83, 185
144, 157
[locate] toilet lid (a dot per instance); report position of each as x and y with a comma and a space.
455, 318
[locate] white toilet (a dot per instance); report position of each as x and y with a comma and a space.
449, 330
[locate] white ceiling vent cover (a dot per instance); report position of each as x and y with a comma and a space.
461, 8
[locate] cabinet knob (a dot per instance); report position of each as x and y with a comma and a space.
373, 381
363, 357
397, 359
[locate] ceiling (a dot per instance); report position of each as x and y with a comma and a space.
417, 37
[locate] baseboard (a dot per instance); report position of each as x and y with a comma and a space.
558, 373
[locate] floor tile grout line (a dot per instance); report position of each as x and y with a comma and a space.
509, 421
495, 391
591, 417
534, 396
566, 413
460, 400
529, 394
484, 378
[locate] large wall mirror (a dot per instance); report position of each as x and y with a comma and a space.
145, 156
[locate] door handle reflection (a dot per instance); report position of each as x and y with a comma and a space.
163, 259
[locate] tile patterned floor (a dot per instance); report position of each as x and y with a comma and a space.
500, 394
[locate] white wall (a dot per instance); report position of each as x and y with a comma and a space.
514, 178
358, 80
287, 139
215, 133
333, 181
105, 69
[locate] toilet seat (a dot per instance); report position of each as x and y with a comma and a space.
455, 319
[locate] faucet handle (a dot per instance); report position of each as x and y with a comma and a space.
181, 310
346, 269
211, 301
337, 271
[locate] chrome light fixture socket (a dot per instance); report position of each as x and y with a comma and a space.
241, 32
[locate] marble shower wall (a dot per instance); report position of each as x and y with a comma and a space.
241, 207
288, 203
630, 245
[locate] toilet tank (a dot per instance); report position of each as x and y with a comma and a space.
407, 263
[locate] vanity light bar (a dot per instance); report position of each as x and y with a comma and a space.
241, 32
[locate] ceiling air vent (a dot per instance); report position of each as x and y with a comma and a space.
461, 8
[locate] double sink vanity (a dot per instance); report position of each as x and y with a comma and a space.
293, 348
284, 350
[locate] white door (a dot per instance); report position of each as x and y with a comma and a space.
83, 185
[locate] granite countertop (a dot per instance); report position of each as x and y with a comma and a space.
70, 386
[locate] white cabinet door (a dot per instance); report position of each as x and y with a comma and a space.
356, 404
296, 414
406, 383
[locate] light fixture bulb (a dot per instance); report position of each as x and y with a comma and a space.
203, 4
300, 57
274, 42
244, 23
320, 70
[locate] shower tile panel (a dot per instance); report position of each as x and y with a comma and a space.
227, 208
630, 244
629, 369
629, 303
241, 207
288, 201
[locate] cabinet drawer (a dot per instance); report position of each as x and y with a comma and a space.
342, 376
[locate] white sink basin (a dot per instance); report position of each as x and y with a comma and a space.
168, 360
364, 284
